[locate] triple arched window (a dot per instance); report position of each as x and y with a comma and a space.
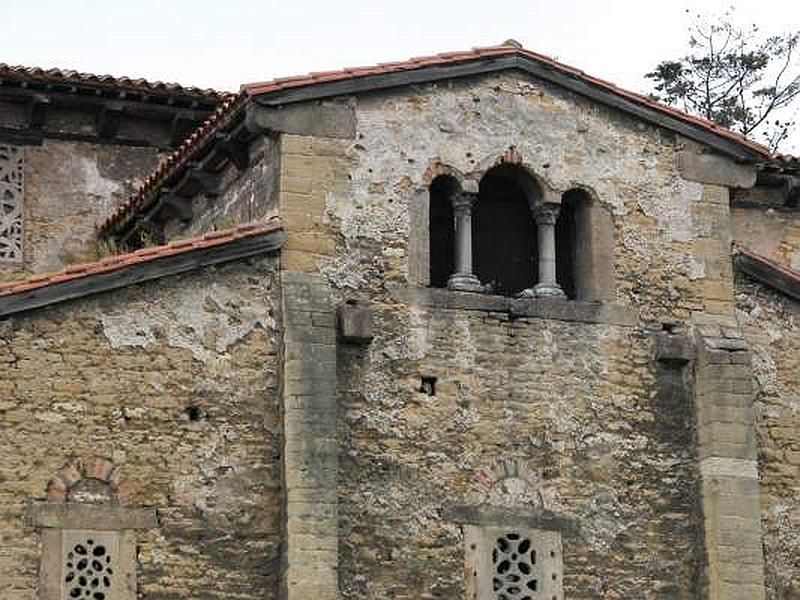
509, 238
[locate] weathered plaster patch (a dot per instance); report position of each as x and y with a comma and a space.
672, 212
204, 321
95, 184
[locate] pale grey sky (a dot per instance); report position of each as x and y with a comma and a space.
225, 43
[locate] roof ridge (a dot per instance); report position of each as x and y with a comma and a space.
120, 261
57, 74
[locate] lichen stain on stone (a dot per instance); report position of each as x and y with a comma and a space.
206, 322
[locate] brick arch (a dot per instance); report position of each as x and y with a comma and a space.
437, 168
506, 476
76, 472
512, 157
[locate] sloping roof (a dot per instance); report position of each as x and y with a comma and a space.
76, 78
168, 165
143, 265
432, 68
278, 86
780, 277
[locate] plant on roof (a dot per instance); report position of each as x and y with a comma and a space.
735, 77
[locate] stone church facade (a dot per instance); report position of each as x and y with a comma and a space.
470, 326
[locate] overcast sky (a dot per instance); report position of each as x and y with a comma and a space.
224, 43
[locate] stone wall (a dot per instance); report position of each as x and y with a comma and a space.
177, 382
70, 187
528, 415
771, 325
771, 232
244, 197
564, 416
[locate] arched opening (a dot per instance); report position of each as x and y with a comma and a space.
504, 232
584, 248
441, 232
568, 239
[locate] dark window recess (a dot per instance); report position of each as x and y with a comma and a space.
428, 386
572, 243
504, 232
567, 242
441, 230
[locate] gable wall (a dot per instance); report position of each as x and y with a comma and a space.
578, 405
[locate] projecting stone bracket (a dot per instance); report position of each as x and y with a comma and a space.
354, 321
674, 348
694, 163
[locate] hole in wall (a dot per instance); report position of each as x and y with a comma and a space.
195, 413
428, 385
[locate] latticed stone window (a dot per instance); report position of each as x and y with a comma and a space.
11, 195
91, 569
88, 534
505, 563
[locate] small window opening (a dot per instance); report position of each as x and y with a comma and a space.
428, 386
504, 232
441, 230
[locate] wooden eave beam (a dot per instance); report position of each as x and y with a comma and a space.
108, 120
768, 274
235, 151
183, 123
37, 111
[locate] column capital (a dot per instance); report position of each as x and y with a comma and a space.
546, 213
462, 202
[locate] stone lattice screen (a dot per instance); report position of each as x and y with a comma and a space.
11, 196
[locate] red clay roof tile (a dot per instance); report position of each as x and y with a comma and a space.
121, 261
68, 76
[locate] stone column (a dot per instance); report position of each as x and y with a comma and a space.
463, 280
545, 214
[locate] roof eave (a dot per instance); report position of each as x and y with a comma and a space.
173, 261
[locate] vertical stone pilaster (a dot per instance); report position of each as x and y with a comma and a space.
726, 446
310, 559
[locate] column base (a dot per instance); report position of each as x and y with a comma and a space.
464, 282
543, 290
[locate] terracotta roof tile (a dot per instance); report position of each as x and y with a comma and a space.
233, 102
121, 261
68, 76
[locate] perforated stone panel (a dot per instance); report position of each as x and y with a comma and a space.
90, 562
11, 194
507, 563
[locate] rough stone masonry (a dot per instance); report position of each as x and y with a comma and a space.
321, 421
